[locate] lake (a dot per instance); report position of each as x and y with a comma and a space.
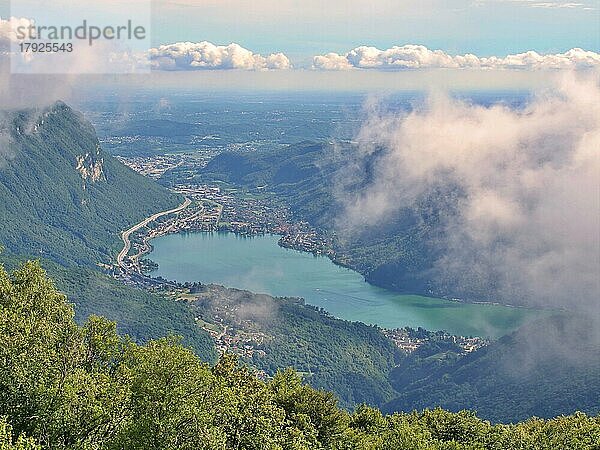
260, 265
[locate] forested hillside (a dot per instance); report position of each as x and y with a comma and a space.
546, 366
310, 178
139, 314
67, 198
64, 200
67, 386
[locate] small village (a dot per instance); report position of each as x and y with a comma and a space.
408, 339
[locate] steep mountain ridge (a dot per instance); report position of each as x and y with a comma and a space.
66, 196
64, 200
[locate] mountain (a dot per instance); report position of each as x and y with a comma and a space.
65, 386
65, 201
545, 368
67, 198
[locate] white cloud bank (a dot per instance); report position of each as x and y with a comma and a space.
8, 29
420, 57
553, 4
527, 221
206, 56
191, 56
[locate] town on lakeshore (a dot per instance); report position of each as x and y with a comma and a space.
214, 208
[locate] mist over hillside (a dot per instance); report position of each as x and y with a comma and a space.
523, 216
399, 251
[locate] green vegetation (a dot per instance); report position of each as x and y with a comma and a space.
349, 358
140, 314
547, 366
69, 386
8, 442
62, 197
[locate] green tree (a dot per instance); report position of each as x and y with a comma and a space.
63, 386
7, 442
305, 406
53, 386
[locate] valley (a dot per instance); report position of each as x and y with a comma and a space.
284, 225
270, 211
235, 262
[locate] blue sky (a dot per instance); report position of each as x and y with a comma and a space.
305, 28
321, 35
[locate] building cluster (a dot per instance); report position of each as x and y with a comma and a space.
223, 317
409, 340
243, 214
240, 212
153, 167
301, 236
231, 340
156, 166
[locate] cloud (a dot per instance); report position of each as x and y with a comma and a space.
575, 58
207, 56
332, 61
543, 5
527, 219
420, 57
8, 29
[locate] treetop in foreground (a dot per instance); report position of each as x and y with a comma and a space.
85, 387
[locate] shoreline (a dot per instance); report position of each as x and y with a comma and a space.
149, 249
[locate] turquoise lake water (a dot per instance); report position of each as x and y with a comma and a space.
258, 264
